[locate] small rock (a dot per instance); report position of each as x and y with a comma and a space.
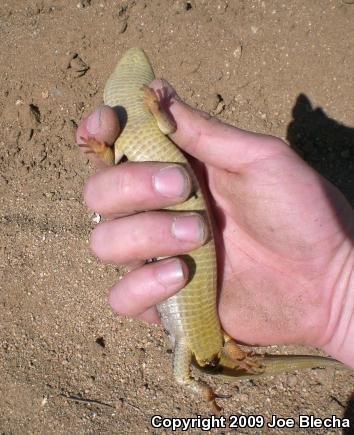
188, 5
218, 104
212, 101
34, 110
96, 218
238, 52
243, 397
182, 6
32, 11
56, 92
82, 4
219, 108
122, 10
29, 116
122, 25
292, 380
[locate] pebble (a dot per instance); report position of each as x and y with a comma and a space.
238, 52
56, 92
292, 380
122, 25
219, 108
83, 4
243, 397
96, 218
212, 101
29, 115
182, 5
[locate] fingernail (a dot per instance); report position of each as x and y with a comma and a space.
170, 273
189, 228
172, 182
94, 122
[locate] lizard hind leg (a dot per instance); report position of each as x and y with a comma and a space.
181, 370
234, 357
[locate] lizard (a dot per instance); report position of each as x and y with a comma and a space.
190, 317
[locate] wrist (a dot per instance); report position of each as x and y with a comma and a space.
340, 328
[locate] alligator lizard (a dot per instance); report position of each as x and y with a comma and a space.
190, 317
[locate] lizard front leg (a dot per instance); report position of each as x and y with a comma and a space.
163, 119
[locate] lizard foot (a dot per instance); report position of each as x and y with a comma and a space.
210, 397
241, 359
181, 371
102, 150
163, 119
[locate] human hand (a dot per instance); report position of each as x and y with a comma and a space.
284, 235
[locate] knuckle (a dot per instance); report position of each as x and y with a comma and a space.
124, 181
128, 301
276, 144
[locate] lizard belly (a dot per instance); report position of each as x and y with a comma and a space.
191, 314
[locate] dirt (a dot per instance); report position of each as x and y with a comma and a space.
277, 67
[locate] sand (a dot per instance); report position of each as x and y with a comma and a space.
276, 67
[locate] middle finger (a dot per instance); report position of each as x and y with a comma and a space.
148, 235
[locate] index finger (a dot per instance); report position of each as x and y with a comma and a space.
210, 140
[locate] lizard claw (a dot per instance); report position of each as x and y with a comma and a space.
240, 359
101, 149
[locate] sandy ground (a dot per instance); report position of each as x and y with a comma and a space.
283, 68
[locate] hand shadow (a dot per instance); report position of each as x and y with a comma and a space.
327, 145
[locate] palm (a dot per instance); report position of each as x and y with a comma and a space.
283, 234
277, 233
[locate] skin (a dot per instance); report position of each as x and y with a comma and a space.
284, 235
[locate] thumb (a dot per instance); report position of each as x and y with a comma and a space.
210, 140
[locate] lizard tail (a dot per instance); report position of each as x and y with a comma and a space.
272, 364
